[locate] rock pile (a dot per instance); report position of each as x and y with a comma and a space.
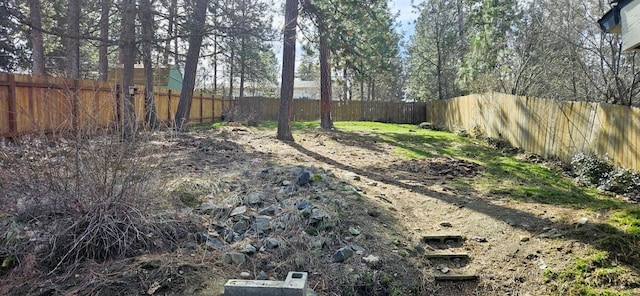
267, 217
439, 166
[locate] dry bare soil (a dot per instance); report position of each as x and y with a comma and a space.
363, 192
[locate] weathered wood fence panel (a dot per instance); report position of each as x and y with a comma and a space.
546, 127
260, 108
46, 104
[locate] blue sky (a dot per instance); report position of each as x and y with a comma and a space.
404, 9
406, 17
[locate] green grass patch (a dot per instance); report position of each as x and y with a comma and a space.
628, 220
206, 126
593, 275
295, 125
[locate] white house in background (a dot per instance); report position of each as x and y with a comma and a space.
623, 19
306, 90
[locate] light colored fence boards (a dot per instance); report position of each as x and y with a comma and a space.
31, 104
259, 108
547, 127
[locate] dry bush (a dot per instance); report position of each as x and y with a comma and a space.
248, 117
74, 199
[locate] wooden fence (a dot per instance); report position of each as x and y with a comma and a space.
45, 104
259, 108
547, 127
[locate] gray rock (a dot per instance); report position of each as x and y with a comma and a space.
190, 246
272, 243
245, 275
240, 226
255, 198
354, 231
229, 237
234, 258
443, 269
371, 261
286, 183
261, 223
480, 239
317, 215
270, 211
304, 178
303, 204
373, 212
510, 222
296, 170
358, 249
342, 254
215, 243
239, 211
262, 276
248, 249
446, 224
206, 207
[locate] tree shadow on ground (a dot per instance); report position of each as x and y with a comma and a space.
540, 184
622, 246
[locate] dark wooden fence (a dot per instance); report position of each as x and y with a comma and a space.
259, 108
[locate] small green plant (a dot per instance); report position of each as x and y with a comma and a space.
592, 275
386, 279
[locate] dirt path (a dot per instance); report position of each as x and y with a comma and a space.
509, 242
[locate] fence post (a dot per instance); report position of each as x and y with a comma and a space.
201, 107
75, 101
118, 108
169, 107
13, 122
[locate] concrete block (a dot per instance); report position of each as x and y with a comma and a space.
294, 285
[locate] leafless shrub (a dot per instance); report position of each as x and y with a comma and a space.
248, 117
76, 199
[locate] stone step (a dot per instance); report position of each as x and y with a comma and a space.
456, 277
441, 238
447, 255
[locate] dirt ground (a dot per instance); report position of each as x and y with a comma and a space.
414, 202
390, 202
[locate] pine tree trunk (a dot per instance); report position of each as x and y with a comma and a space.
103, 50
146, 20
73, 41
170, 32
36, 38
191, 65
128, 50
232, 56
326, 121
242, 66
288, 71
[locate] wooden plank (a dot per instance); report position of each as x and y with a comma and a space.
456, 277
441, 238
447, 255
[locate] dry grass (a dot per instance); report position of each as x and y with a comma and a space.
75, 200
